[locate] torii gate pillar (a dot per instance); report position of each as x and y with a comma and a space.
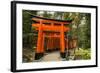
62, 42
40, 43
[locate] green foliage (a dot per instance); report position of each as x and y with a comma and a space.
85, 32
28, 36
83, 53
27, 21
28, 41
68, 19
46, 15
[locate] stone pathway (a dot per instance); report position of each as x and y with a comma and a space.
54, 56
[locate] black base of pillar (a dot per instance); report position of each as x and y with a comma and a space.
38, 56
63, 55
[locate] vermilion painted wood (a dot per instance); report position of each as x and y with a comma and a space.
50, 25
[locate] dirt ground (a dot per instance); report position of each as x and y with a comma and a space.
54, 56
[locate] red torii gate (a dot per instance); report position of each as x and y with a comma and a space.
51, 29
